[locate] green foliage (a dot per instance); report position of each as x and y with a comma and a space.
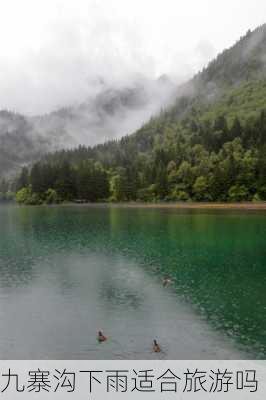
238, 193
161, 181
118, 187
23, 195
209, 146
256, 198
147, 194
200, 189
26, 196
51, 197
178, 195
23, 179
34, 200
199, 166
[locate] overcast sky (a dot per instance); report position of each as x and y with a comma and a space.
53, 52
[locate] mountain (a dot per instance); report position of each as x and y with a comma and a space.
117, 111
16, 142
112, 112
209, 145
233, 84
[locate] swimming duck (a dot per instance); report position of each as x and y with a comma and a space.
156, 347
101, 337
167, 281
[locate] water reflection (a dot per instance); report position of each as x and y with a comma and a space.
67, 272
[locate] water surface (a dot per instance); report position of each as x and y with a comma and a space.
66, 272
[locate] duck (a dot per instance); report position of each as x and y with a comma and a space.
156, 347
167, 281
101, 337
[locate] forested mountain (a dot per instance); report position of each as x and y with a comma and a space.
110, 112
210, 145
16, 144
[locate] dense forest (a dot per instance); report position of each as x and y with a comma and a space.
209, 146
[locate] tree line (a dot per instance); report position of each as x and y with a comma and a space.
166, 160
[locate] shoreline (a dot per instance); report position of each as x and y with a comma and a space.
179, 205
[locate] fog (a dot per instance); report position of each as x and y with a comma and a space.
55, 53
86, 71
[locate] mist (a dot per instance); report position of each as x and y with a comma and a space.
110, 113
87, 71
55, 53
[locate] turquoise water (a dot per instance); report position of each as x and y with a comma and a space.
67, 272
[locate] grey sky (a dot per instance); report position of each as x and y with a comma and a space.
53, 52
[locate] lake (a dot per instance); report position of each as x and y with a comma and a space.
67, 272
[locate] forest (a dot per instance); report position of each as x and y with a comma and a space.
192, 161
210, 145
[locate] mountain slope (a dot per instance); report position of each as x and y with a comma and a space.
232, 85
109, 114
209, 145
117, 111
